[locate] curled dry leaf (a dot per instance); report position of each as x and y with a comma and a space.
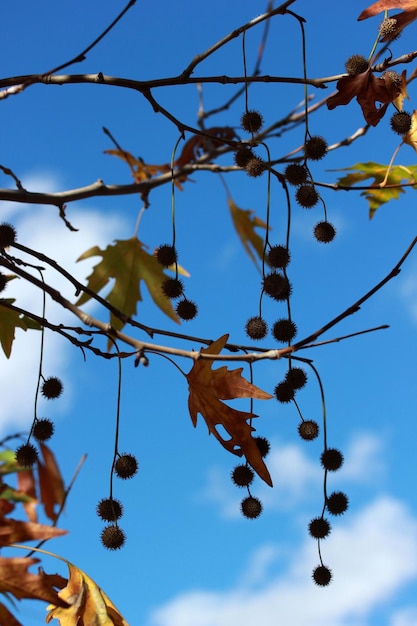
208, 388
368, 89
84, 603
409, 14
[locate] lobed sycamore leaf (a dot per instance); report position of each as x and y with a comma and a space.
86, 605
377, 196
245, 223
208, 388
128, 263
16, 580
409, 14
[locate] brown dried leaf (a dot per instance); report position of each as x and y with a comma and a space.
15, 579
50, 482
409, 14
207, 388
14, 531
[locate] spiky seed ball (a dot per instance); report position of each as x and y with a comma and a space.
242, 475
7, 235
43, 429
401, 122
186, 309
284, 392
251, 507
331, 459
322, 576
263, 446
388, 30
296, 174
166, 255
277, 286
109, 509
52, 388
112, 537
319, 528
315, 148
307, 196
3, 282
308, 430
256, 327
324, 232
392, 80
243, 155
356, 64
126, 466
26, 455
278, 256
297, 377
251, 121
284, 330
255, 167
337, 503
172, 288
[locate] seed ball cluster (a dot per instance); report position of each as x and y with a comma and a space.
322, 576
319, 528
26, 455
166, 255
251, 507
278, 257
255, 167
324, 232
43, 429
315, 148
112, 537
7, 235
308, 430
256, 327
307, 196
401, 122
332, 459
242, 475
252, 121
186, 309
337, 503
52, 388
109, 509
284, 330
296, 174
243, 155
126, 466
277, 286
356, 64
172, 288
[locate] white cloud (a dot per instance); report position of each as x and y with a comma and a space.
41, 228
372, 555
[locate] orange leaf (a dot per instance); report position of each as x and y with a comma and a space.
26, 485
15, 579
411, 137
207, 388
50, 482
88, 604
408, 15
14, 531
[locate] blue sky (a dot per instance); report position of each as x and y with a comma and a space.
191, 559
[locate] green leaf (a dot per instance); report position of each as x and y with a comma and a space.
128, 263
9, 321
377, 196
245, 223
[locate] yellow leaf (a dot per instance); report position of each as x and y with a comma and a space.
207, 388
9, 321
88, 604
128, 263
245, 223
411, 137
